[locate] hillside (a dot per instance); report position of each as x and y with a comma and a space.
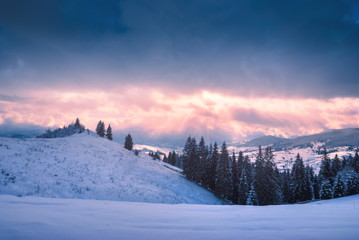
44, 218
89, 167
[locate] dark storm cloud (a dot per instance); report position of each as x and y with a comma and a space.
253, 47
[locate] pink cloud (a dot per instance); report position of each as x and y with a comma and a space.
160, 112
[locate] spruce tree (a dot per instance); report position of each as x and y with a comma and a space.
325, 172
298, 178
259, 182
190, 160
235, 179
202, 158
100, 129
211, 167
77, 123
287, 187
339, 187
243, 189
223, 175
336, 166
273, 190
326, 191
128, 142
109, 133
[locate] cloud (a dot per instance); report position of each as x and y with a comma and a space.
253, 48
161, 115
10, 128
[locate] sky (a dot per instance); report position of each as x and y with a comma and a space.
163, 70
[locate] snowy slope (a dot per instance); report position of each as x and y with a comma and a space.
44, 218
90, 167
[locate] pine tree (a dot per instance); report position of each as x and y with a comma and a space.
77, 123
287, 187
326, 191
211, 167
298, 178
273, 190
223, 175
325, 171
190, 159
339, 188
100, 129
109, 133
173, 159
243, 189
128, 142
235, 179
336, 166
202, 158
259, 183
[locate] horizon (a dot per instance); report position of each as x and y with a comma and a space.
164, 70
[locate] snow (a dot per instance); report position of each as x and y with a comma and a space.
89, 167
311, 155
45, 218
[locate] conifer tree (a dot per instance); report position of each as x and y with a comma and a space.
109, 133
287, 187
202, 158
298, 178
259, 183
77, 123
336, 166
235, 179
100, 129
325, 171
223, 175
165, 158
190, 160
326, 190
211, 167
243, 189
273, 190
339, 187
128, 142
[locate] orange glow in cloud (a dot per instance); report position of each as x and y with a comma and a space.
164, 112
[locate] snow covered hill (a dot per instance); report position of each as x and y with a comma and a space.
44, 218
90, 167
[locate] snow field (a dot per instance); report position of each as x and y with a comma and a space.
46, 218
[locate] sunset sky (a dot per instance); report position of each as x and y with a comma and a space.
162, 70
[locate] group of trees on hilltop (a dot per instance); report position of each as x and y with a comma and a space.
100, 130
232, 177
71, 129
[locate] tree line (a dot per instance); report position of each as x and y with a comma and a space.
233, 178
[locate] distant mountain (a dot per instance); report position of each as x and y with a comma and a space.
332, 138
263, 141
